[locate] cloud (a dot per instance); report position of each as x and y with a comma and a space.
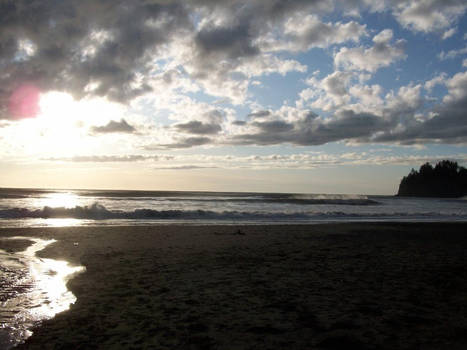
369, 95
452, 53
448, 33
235, 35
398, 118
160, 51
446, 123
273, 126
114, 127
330, 92
438, 80
85, 47
185, 167
239, 122
298, 160
310, 129
428, 16
186, 142
457, 88
204, 119
104, 159
199, 128
381, 54
303, 32
93, 48
259, 114
230, 41
310, 32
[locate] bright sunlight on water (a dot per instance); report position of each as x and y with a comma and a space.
40, 292
57, 200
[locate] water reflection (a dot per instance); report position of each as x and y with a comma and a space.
36, 291
57, 200
56, 222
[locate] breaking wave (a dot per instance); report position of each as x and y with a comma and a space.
99, 212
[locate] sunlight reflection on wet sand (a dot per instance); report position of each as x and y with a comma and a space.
38, 296
60, 222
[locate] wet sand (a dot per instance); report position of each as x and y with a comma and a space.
346, 286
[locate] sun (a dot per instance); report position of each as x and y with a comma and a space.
62, 123
61, 128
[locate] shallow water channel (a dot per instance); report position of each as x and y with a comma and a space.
32, 289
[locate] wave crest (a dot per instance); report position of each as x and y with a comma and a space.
98, 212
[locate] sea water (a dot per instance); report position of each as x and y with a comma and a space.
36, 208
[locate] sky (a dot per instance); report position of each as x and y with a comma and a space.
310, 96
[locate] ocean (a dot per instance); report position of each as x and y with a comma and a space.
42, 208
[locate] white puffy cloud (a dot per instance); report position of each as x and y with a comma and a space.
303, 32
428, 15
452, 53
328, 93
457, 87
448, 33
369, 95
438, 80
268, 64
382, 54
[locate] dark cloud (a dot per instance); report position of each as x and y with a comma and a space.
233, 42
259, 114
398, 124
448, 125
198, 128
114, 127
312, 130
232, 36
274, 126
108, 48
181, 143
239, 122
73, 44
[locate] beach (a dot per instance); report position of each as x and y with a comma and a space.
326, 286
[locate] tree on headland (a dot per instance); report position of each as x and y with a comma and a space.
446, 179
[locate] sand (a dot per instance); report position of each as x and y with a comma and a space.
349, 286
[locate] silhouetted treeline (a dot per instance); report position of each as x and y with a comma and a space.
446, 179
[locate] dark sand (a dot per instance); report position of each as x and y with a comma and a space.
14, 245
349, 286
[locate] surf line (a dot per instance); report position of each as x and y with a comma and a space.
39, 295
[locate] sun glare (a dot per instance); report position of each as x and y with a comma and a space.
62, 126
58, 200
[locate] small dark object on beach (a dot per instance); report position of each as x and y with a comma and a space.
239, 232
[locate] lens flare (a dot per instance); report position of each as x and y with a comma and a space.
24, 102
